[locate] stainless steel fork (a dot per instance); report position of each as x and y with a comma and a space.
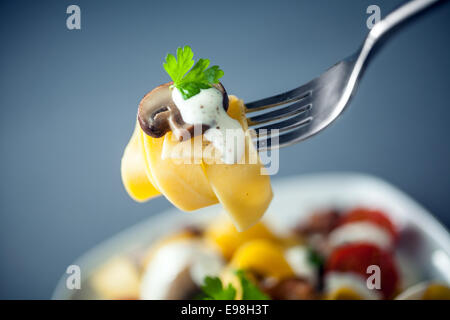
300, 113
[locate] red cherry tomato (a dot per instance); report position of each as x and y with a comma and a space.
374, 216
357, 257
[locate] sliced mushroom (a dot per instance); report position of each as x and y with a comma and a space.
178, 269
158, 114
289, 289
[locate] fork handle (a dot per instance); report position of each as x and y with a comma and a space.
388, 25
399, 15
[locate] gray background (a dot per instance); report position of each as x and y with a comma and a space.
68, 101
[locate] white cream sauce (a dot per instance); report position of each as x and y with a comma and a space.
162, 275
357, 232
225, 133
337, 280
298, 259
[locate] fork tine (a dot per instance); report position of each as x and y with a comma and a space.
288, 124
277, 141
279, 99
282, 113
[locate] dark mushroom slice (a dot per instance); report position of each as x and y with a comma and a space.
289, 289
182, 286
158, 114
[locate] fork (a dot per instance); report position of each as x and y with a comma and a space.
298, 114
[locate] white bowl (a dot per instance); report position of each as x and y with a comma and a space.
423, 250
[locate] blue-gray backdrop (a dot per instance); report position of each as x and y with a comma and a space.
68, 101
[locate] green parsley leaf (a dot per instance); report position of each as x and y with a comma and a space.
199, 77
249, 290
213, 74
315, 258
190, 89
213, 290
197, 72
177, 67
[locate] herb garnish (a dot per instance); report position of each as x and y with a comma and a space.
190, 82
213, 289
315, 258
